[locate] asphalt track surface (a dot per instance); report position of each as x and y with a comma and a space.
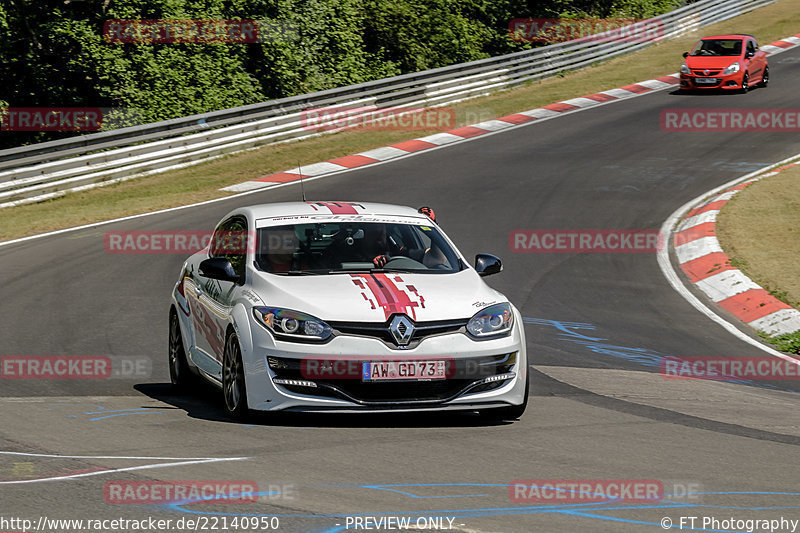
599, 409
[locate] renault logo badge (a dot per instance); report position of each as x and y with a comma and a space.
401, 329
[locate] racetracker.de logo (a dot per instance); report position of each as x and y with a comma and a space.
585, 490
180, 31
51, 119
161, 492
55, 366
541, 30
730, 120
372, 118
730, 368
597, 241
178, 242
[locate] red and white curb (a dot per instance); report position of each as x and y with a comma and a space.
436, 140
708, 267
379, 155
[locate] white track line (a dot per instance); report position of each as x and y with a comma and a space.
672, 276
177, 461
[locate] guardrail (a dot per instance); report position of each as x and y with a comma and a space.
46, 170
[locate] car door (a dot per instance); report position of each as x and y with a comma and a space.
752, 62
212, 300
760, 61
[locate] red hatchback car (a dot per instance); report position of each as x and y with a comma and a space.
730, 62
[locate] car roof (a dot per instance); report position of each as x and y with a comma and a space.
294, 209
728, 36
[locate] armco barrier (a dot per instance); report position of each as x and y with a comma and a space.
46, 170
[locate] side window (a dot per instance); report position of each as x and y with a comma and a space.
751, 47
230, 241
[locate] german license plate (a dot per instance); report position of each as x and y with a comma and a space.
706, 80
399, 370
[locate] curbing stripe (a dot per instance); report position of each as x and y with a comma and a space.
468, 131
516, 118
582, 101
752, 305
602, 98
725, 284
706, 265
710, 206
414, 145
706, 229
778, 323
697, 248
618, 93
384, 153
636, 88
702, 218
540, 113
282, 177
560, 107
493, 125
353, 161
441, 138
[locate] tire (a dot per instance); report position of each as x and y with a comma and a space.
512, 412
234, 390
745, 83
765, 78
179, 373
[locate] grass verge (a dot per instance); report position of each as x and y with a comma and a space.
759, 229
202, 182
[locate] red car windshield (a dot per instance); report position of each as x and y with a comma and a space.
718, 47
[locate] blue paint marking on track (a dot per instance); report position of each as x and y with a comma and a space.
590, 510
643, 356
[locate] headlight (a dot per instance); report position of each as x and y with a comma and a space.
732, 68
292, 325
685, 69
494, 320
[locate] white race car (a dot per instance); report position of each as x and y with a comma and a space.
342, 307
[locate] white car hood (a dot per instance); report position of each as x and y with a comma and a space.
375, 297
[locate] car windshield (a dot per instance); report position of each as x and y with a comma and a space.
718, 47
341, 247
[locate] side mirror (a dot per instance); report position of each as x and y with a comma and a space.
685, 55
487, 264
218, 268
749, 54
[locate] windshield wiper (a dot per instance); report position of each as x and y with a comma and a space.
305, 272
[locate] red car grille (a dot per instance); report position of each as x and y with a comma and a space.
706, 72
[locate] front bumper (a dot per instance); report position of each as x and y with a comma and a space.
481, 374
695, 82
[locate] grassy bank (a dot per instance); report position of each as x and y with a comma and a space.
759, 229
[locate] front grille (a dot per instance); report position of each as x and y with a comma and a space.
380, 330
467, 377
703, 73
